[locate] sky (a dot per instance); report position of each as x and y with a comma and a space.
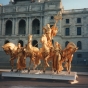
68, 4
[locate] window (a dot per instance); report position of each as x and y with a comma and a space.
35, 26
67, 21
66, 43
35, 43
67, 32
79, 55
7, 41
21, 42
78, 30
78, 20
52, 17
79, 45
51, 25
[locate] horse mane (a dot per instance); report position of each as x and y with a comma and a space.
71, 44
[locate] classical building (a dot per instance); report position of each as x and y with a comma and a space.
20, 18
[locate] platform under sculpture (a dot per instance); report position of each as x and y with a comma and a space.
39, 74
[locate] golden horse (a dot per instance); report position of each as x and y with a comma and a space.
10, 49
45, 51
15, 52
67, 55
32, 52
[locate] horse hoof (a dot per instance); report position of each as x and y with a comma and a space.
68, 72
58, 72
16, 71
54, 70
11, 70
28, 70
44, 71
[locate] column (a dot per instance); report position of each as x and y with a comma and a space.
30, 26
41, 26
3, 27
60, 26
16, 27
0, 27
13, 27
27, 25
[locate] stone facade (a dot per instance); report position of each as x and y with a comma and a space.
18, 19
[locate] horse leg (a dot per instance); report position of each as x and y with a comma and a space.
33, 59
46, 61
60, 63
43, 63
69, 66
66, 65
12, 64
54, 64
57, 64
29, 65
18, 64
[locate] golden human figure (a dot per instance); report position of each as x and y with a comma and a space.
47, 32
21, 63
57, 57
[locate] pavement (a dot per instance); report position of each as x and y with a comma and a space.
11, 82
82, 73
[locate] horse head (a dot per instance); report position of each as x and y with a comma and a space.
9, 48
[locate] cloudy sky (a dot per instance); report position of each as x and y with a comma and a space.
68, 4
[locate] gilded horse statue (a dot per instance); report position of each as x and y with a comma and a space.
15, 52
45, 51
32, 52
67, 55
10, 49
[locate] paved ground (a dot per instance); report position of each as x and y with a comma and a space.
42, 83
8, 82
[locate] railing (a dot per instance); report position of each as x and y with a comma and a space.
75, 10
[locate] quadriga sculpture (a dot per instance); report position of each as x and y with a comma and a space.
67, 55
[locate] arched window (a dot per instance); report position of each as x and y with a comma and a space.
66, 43
79, 45
7, 41
22, 27
35, 43
21, 42
35, 26
8, 30
52, 17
